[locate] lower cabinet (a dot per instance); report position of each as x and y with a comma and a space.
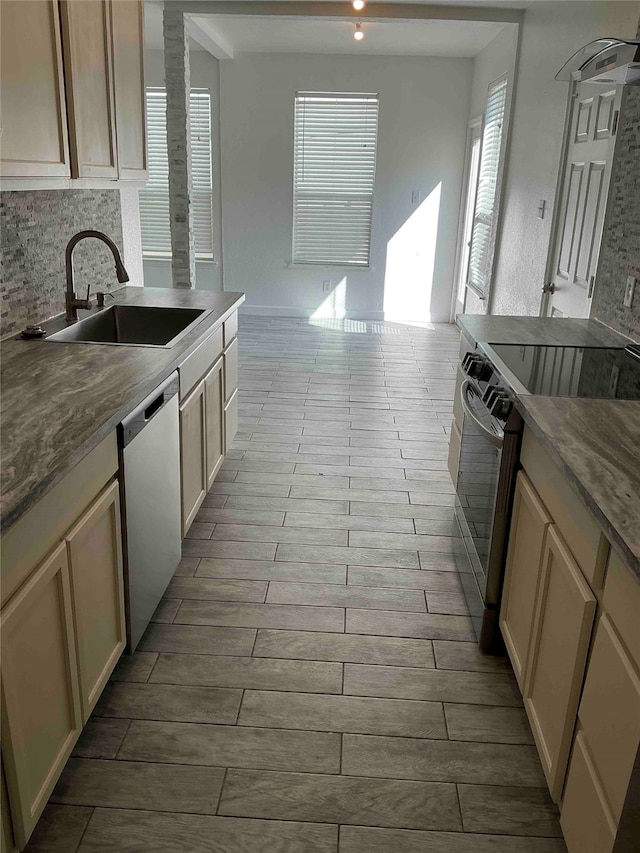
529, 523
95, 557
565, 611
214, 417
41, 710
62, 633
230, 421
193, 454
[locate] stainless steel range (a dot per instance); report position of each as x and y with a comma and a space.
495, 375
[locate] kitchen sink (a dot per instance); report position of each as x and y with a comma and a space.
132, 325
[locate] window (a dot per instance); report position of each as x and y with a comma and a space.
333, 177
154, 198
487, 195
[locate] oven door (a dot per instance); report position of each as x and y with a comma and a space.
478, 478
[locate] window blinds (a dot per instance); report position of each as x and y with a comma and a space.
154, 198
486, 206
334, 175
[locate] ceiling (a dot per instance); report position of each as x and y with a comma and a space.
265, 34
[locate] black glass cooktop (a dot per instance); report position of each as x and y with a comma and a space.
571, 371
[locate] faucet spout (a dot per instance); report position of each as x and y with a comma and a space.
71, 301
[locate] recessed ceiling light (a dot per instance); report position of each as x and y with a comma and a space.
358, 35
358, 5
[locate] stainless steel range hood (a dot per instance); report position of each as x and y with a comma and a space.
606, 60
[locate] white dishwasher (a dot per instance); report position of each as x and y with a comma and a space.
149, 450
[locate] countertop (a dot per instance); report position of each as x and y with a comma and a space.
59, 400
550, 331
596, 443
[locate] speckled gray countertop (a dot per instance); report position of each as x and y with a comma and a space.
59, 400
549, 331
596, 443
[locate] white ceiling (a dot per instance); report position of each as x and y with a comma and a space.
264, 34
395, 38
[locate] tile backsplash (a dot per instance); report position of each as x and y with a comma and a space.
620, 249
35, 227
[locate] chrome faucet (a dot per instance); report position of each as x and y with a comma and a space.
71, 301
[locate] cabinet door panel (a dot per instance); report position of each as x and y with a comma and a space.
565, 611
41, 714
86, 30
610, 714
95, 553
214, 411
230, 421
529, 523
230, 369
193, 455
586, 823
127, 24
34, 124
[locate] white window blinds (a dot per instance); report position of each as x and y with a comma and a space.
154, 198
486, 206
334, 177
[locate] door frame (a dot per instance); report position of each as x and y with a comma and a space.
473, 125
545, 297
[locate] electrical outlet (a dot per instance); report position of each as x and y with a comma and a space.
629, 291
415, 197
326, 287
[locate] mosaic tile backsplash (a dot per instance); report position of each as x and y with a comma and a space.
620, 250
35, 227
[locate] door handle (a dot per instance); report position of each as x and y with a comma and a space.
491, 437
549, 288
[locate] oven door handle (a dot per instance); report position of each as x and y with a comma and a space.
490, 436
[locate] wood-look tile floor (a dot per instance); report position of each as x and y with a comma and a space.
310, 684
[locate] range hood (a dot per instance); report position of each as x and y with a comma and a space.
606, 60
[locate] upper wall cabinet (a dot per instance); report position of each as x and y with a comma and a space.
33, 116
86, 34
127, 27
72, 92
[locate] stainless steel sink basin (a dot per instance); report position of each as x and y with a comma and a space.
132, 325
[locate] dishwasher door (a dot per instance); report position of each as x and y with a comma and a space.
149, 448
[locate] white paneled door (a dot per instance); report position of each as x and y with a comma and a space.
583, 199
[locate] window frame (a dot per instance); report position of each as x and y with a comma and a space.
207, 255
369, 196
500, 83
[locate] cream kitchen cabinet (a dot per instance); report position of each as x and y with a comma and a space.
72, 93
193, 454
214, 419
529, 523
565, 610
208, 413
61, 626
33, 108
95, 556
41, 713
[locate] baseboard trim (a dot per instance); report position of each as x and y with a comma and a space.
369, 316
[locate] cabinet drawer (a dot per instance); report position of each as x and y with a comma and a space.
621, 601
230, 328
610, 715
579, 529
230, 421
194, 367
586, 823
230, 369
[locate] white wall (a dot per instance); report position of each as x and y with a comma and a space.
552, 31
424, 106
204, 74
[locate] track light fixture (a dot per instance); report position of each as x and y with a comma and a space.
358, 35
